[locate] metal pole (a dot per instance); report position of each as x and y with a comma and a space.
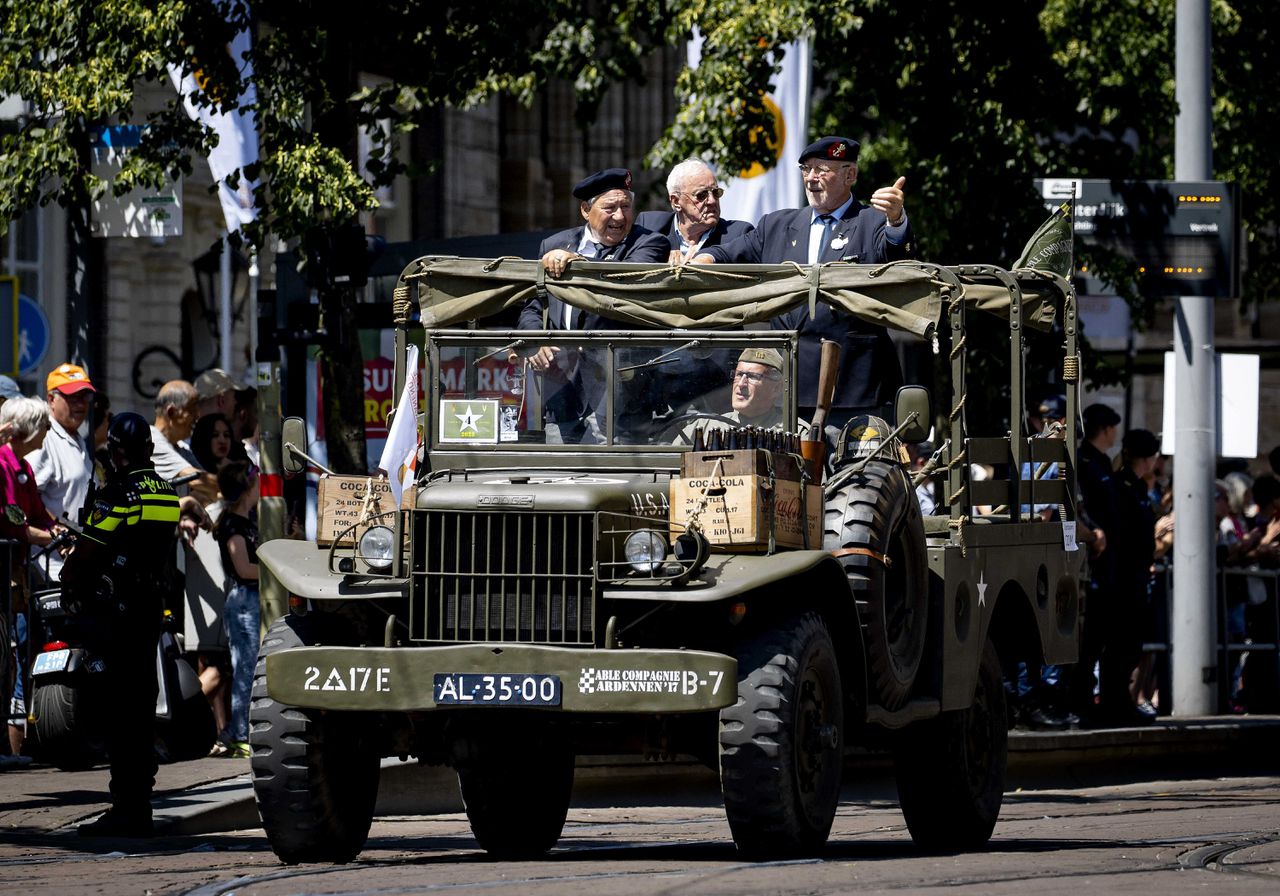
252, 317
224, 304
1193, 621
273, 599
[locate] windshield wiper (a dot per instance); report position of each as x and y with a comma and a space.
663, 358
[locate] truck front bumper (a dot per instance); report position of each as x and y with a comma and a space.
411, 679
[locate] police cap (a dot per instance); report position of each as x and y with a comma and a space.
602, 182
130, 434
1100, 416
1052, 408
835, 149
1140, 443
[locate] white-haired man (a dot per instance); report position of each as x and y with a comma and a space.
694, 222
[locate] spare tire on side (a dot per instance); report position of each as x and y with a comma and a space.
873, 527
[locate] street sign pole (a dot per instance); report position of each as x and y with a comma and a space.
1193, 618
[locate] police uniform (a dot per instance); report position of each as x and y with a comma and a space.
118, 574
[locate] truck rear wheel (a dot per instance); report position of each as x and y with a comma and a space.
873, 525
516, 789
782, 743
315, 773
950, 770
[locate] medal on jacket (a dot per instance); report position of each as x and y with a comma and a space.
839, 243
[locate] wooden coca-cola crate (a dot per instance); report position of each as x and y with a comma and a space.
742, 494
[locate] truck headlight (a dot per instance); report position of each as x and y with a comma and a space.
645, 550
376, 547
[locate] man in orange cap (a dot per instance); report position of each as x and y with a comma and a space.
64, 466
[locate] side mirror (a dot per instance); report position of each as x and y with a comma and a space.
293, 438
913, 400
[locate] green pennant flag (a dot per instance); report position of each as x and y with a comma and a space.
1051, 247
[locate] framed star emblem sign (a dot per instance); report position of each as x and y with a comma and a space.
468, 421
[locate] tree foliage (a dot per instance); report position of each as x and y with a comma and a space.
970, 102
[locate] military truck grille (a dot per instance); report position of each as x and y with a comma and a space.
503, 576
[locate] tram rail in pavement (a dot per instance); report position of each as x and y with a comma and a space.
212, 795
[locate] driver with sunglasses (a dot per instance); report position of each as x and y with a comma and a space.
756, 396
694, 221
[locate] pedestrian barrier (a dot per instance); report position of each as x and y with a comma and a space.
1247, 636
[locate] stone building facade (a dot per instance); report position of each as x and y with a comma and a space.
497, 168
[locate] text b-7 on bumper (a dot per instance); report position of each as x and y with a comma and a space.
403, 679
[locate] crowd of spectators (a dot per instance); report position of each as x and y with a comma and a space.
52, 459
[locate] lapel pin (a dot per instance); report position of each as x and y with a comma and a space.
839, 242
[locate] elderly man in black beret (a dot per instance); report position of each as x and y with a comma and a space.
834, 227
574, 400
607, 206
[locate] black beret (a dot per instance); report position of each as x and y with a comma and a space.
1101, 416
602, 182
837, 149
1140, 443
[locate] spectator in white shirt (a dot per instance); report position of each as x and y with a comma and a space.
64, 466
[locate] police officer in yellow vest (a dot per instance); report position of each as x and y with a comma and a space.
117, 575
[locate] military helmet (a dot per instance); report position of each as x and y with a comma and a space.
130, 435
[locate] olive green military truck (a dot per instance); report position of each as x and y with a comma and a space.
601, 553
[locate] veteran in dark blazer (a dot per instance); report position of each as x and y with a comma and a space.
607, 206
574, 387
834, 227
694, 221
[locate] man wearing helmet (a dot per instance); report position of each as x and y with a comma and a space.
112, 574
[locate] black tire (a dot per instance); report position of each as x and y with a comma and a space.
315, 773
191, 732
782, 742
516, 788
950, 770
876, 515
61, 731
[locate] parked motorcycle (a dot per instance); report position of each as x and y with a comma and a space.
68, 709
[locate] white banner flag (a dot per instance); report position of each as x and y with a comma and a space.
400, 453
237, 135
759, 190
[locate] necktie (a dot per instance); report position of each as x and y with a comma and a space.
816, 248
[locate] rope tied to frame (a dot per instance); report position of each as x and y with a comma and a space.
401, 305
958, 524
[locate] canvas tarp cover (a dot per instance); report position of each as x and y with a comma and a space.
903, 295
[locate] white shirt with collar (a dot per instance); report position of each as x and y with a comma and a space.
64, 469
590, 247
894, 233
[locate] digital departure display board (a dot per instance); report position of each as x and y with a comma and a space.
1181, 236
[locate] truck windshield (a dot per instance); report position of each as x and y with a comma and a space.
522, 389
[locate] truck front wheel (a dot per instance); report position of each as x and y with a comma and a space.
782, 743
516, 779
315, 773
950, 770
